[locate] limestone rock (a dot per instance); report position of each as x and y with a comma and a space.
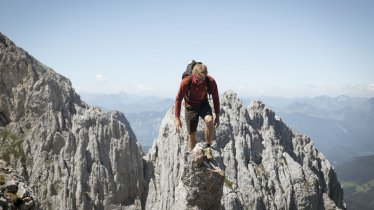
73, 156
14, 191
200, 187
271, 165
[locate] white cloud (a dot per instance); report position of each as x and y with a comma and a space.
139, 88
359, 88
241, 88
143, 87
104, 85
371, 87
101, 78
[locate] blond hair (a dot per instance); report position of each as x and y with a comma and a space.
200, 70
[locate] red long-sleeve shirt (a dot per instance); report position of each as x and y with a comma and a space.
198, 94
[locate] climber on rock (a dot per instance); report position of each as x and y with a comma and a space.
194, 88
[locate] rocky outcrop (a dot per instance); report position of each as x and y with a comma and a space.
14, 191
73, 156
271, 165
201, 186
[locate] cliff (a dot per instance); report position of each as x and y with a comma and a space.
72, 155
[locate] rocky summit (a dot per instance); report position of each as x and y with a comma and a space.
271, 166
73, 156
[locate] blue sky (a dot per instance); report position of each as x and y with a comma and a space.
274, 48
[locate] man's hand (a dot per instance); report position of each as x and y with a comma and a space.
216, 121
178, 124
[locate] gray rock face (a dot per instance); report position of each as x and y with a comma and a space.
197, 184
73, 156
14, 191
271, 165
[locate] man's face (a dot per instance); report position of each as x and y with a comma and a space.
200, 78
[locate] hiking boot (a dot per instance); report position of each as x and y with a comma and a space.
208, 153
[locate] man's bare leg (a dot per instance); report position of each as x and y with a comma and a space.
192, 140
208, 129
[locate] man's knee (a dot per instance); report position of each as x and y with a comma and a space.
208, 120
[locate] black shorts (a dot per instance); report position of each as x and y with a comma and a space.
192, 115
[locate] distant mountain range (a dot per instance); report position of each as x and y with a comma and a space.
357, 178
127, 103
340, 126
145, 125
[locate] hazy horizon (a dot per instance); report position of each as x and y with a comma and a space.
274, 48
240, 95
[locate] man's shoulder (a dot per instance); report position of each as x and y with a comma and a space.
210, 78
185, 80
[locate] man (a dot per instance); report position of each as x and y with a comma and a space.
194, 91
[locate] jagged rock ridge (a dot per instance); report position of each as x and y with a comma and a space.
271, 165
72, 155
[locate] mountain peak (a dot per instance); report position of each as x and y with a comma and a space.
73, 155
231, 99
5, 41
256, 105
